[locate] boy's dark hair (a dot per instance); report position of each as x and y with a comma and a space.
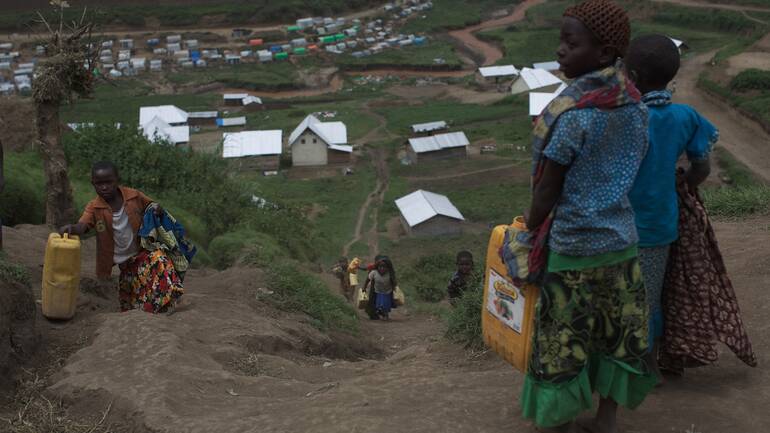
104, 166
464, 254
654, 59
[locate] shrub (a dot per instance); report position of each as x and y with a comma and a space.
23, 198
464, 322
12, 272
296, 290
736, 202
751, 79
429, 275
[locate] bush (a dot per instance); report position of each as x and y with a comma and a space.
464, 322
200, 181
23, 199
751, 79
297, 291
12, 272
428, 276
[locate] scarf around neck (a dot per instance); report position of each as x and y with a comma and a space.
657, 98
606, 88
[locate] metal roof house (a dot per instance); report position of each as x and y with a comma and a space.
424, 213
535, 79
538, 101
315, 143
254, 150
429, 127
546, 66
234, 99
498, 72
200, 118
231, 121
167, 113
157, 128
436, 147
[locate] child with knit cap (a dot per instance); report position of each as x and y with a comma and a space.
592, 319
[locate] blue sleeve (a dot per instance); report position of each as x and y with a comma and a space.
566, 139
704, 136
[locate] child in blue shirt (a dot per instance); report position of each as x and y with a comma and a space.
652, 63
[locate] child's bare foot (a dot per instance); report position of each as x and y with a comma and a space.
178, 305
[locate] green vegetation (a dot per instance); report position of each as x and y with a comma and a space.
464, 321
11, 272
176, 15
120, 102
271, 76
751, 79
522, 46
429, 275
754, 102
745, 195
296, 290
452, 14
408, 57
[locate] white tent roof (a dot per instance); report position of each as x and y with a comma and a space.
538, 78
421, 206
235, 95
330, 132
202, 114
438, 142
498, 71
174, 134
167, 113
430, 126
252, 143
251, 100
676, 42
341, 148
539, 100
547, 66
232, 121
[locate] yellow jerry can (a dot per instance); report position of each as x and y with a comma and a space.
362, 298
398, 297
61, 276
507, 317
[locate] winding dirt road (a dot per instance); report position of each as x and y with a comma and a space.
491, 53
742, 137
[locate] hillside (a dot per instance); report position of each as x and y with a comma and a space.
267, 341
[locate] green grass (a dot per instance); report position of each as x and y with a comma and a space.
341, 198
493, 203
452, 14
744, 196
755, 102
175, 15
120, 102
408, 57
271, 76
12, 272
522, 46
296, 290
464, 320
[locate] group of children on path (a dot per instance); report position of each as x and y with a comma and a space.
605, 212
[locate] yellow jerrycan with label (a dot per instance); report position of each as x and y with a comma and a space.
507, 317
61, 276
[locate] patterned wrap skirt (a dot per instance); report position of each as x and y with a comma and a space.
590, 336
148, 282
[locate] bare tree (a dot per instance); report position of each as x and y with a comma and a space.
64, 75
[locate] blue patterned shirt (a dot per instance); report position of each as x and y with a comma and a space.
603, 150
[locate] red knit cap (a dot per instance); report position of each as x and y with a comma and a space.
608, 22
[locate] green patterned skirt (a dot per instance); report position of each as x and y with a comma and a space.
590, 336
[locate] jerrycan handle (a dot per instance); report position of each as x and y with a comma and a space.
519, 224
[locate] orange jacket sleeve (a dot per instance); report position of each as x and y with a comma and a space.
88, 217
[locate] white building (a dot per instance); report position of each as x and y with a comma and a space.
546, 66
497, 72
156, 128
429, 127
539, 100
440, 146
254, 149
424, 213
167, 113
315, 143
535, 79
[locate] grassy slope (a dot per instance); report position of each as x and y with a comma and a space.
453, 14
415, 56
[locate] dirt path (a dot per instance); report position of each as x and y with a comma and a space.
236, 364
746, 140
374, 199
490, 52
462, 174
